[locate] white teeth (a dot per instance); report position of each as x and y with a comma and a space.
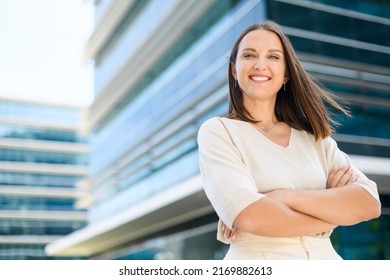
256, 78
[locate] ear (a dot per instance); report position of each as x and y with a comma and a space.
234, 71
286, 77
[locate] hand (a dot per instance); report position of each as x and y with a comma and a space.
340, 177
230, 234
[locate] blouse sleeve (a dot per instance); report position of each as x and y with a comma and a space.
227, 182
335, 157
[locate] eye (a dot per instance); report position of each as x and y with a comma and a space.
248, 55
274, 57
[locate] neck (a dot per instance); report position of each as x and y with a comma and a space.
262, 112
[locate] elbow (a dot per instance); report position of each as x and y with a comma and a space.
243, 222
249, 220
376, 211
363, 214
372, 212
369, 208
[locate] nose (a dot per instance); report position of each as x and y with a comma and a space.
259, 64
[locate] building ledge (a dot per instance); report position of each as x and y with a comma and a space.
28, 239
178, 204
43, 215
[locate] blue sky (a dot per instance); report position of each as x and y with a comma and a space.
42, 50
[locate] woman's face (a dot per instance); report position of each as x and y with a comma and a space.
260, 66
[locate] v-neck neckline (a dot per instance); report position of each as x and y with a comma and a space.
265, 138
273, 142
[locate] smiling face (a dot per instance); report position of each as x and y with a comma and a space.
260, 66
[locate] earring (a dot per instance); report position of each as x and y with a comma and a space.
284, 86
235, 82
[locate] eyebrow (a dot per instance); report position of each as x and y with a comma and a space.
270, 50
275, 50
249, 49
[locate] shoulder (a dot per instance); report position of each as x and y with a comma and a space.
213, 122
329, 143
223, 123
211, 129
216, 124
218, 130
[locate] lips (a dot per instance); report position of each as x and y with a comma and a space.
258, 78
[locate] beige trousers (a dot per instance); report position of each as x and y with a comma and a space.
253, 247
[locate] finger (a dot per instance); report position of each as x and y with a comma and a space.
345, 178
331, 178
235, 234
335, 177
333, 171
227, 233
353, 179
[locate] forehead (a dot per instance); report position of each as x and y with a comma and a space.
261, 38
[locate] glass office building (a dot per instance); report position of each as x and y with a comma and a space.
43, 155
161, 71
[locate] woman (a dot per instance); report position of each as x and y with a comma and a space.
272, 172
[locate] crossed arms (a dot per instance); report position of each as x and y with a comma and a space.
227, 160
286, 213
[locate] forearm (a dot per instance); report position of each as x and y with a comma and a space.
346, 205
278, 220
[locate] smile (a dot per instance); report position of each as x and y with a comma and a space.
260, 78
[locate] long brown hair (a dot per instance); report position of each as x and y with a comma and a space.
301, 104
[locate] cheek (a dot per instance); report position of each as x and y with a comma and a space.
240, 71
280, 72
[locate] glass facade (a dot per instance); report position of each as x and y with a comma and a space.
10, 109
42, 157
46, 180
351, 39
22, 131
169, 155
10, 227
143, 144
43, 154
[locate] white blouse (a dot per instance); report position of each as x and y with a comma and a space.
238, 164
